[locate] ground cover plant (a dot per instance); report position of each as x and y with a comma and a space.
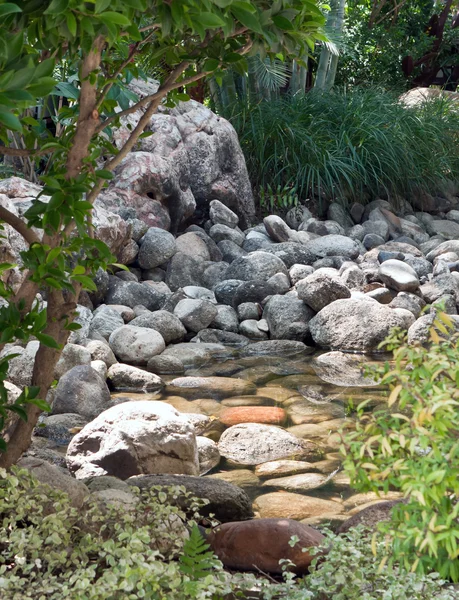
352, 145
412, 446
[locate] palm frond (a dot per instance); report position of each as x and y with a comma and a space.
271, 74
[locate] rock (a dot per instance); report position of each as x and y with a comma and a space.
252, 444
356, 212
20, 368
257, 266
279, 468
320, 289
226, 502
131, 294
298, 483
219, 337
249, 328
448, 246
192, 245
157, 247
409, 302
81, 391
104, 322
219, 233
275, 348
165, 365
226, 319
248, 310
196, 292
83, 318
372, 240
225, 290
115, 497
253, 291
421, 266
195, 314
399, 276
287, 318
448, 229
210, 387
369, 517
287, 505
54, 477
134, 438
342, 369
167, 324
353, 325
131, 379
58, 428
183, 270
297, 215
277, 228
72, 356
101, 351
219, 213
262, 544
334, 245
271, 415
303, 410
298, 272
208, 454
193, 355
439, 286
136, 208
336, 212
100, 368
136, 345
292, 253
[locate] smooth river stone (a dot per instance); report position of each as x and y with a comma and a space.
342, 369
270, 415
240, 477
210, 387
298, 483
399, 276
303, 411
294, 506
278, 394
253, 444
359, 500
279, 468
312, 430
248, 401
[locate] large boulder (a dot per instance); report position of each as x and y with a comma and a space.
82, 391
136, 345
166, 323
129, 378
256, 266
354, 325
334, 245
321, 288
195, 314
157, 247
287, 318
133, 293
135, 438
227, 502
193, 157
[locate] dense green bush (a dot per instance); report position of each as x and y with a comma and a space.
412, 445
348, 146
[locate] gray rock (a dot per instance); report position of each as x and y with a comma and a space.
249, 328
104, 322
280, 283
399, 276
219, 213
248, 310
193, 245
230, 250
208, 453
134, 438
83, 318
442, 248
226, 319
277, 228
448, 229
322, 227
292, 253
257, 266
81, 391
155, 274
136, 345
196, 292
296, 215
72, 356
225, 290
298, 272
253, 291
372, 240
342, 369
59, 429
409, 302
222, 232
446, 304
184, 270
195, 314
131, 379
101, 351
227, 502
356, 233
352, 276
100, 368
165, 365
287, 318
253, 444
379, 228
51, 475
439, 286
20, 368
321, 288
338, 213
210, 387
214, 273
334, 245
131, 293
217, 336
167, 324
275, 348
355, 325
420, 265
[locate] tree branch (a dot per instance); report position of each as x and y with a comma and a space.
6, 150
19, 225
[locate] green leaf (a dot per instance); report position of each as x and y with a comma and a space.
67, 90
114, 18
9, 8
101, 5
71, 24
211, 64
210, 20
247, 19
104, 174
47, 340
86, 282
282, 23
57, 7
9, 120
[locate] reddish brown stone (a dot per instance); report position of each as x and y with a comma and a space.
271, 415
262, 543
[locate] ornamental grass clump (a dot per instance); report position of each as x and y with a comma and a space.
412, 445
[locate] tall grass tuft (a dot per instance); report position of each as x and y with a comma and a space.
349, 146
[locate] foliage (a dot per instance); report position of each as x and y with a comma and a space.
86, 54
412, 446
348, 146
278, 199
51, 550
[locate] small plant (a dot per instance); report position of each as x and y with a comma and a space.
278, 198
412, 446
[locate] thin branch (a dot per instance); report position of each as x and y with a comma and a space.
19, 225
8, 151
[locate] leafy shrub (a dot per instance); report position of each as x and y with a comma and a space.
352, 145
49, 551
412, 446
280, 198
